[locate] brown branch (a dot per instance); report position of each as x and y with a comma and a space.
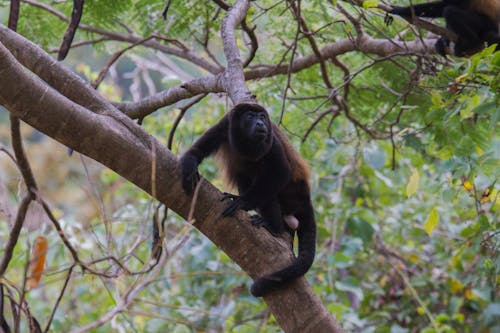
165, 10
76, 15
21, 159
254, 44
249, 31
82, 43
3, 322
95, 84
234, 79
59, 298
177, 120
187, 55
14, 233
114, 145
14, 14
332, 110
296, 10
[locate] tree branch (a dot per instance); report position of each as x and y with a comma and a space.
104, 139
234, 79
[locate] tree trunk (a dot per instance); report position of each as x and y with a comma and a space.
71, 112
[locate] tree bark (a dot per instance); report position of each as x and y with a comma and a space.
78, 117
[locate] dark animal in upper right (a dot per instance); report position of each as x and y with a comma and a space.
476, 22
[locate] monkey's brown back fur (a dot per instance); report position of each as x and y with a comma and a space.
229, 165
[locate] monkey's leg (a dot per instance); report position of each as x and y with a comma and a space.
493, 37
433, 9
270, 218
468, 26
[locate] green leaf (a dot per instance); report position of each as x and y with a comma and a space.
360, 228
370, 3
413, 182
432, 221
485, 108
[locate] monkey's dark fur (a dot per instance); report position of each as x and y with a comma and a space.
271, 177
474, 21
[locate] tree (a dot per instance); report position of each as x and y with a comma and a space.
81, 118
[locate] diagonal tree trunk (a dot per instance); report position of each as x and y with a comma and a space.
70, 111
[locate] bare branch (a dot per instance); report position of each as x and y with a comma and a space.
115, 145
14, 233
187, 55
234, 79
113, 59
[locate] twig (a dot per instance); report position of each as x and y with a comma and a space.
14, 233
234, 79
95, 84
178, 119
76, 15
14, 14
59, 298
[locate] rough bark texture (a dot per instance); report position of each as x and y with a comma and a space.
79, 118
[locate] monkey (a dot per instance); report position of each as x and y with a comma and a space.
474, 21
271, 177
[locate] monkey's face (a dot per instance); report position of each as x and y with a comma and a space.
250, 131
254, 125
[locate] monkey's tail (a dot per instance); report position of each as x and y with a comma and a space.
307, 248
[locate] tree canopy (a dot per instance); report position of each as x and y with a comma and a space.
403, 144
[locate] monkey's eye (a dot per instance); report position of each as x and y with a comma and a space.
249, 116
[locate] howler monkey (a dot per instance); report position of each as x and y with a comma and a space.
474, 21
271, 178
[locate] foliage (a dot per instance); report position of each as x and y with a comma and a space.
407, 201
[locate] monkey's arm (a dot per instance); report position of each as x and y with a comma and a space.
206, 145
433, 9
275, 174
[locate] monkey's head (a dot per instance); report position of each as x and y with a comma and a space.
250, 130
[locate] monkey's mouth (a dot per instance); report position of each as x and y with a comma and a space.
260, 133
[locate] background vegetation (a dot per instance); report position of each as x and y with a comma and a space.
405, 167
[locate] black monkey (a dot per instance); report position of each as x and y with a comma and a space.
474, 21
271, 176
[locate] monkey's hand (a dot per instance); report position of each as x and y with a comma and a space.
190, 175
443, 46
236, 203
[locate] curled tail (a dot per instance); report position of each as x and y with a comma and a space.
307, 248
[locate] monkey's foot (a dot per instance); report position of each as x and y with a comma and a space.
259, 221
229, 196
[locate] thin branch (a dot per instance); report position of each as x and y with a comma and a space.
95, 84
59, 298
76, 15
14, 14
187, 55
183, 111
234, 79
14, 233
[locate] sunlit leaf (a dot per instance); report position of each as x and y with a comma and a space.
370, 3
432, 221
413, 183
468, 294
455, 286
37, 262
